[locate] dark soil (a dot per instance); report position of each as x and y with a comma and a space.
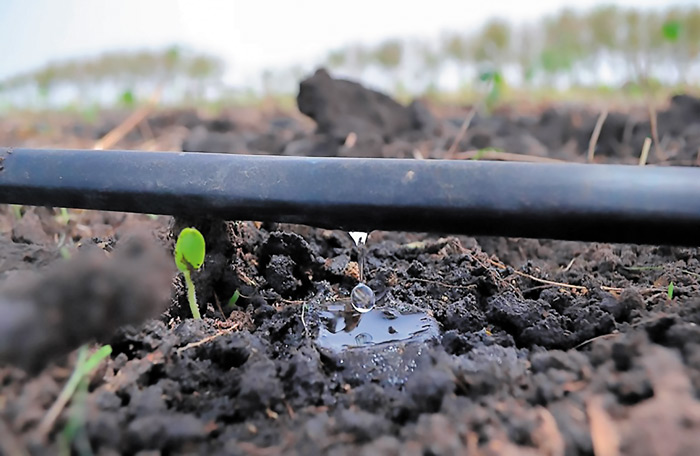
541, 348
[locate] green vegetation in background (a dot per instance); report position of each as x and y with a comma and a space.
127, 99
130, 73
556, 51
671, 31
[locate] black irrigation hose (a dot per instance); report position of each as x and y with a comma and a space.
606, 203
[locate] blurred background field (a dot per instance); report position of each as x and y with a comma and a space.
82, 57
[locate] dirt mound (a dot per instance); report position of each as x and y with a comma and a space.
341, 107
46, 315
353, 120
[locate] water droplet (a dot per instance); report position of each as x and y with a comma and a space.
362, 298
360, 237
363, 339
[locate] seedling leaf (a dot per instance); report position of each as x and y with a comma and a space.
670, 290
96, 358
189, 250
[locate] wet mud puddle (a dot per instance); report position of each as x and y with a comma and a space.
360, 324
342, 329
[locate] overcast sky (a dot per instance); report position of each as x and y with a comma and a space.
249, 35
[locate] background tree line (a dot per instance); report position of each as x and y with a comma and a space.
570, 48
121, 77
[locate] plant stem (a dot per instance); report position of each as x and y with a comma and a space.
65, 216
83, 367
191, 296
74, 432
17, 211
65, 395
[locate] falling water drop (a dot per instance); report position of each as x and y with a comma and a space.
360, 237
362, 298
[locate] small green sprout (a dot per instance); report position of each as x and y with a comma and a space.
81, 373
63, 248
17, 210
481, 152
497, 85
669, 293
73, 433
234, 299
64, 217
189, 255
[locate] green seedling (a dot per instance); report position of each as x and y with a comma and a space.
481, 152
83, 368
189, 256
64, 217
73, 434
63, 247
16, 210
234, 299
496, 86
669, 293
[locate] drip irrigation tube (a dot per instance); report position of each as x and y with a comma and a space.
605, 203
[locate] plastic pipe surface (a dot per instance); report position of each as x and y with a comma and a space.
605, 203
